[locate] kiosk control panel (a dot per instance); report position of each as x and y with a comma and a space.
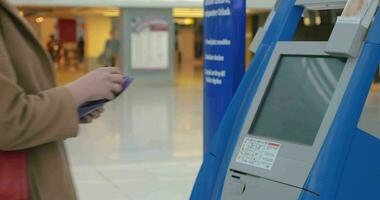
288, 120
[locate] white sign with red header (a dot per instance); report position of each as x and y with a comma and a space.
150, 43
258, 153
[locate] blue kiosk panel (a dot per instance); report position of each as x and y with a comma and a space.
291, 129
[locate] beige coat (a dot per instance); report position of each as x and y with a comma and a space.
34, 114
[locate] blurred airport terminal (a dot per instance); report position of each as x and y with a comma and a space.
148, 145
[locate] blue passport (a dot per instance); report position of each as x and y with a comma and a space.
91, 106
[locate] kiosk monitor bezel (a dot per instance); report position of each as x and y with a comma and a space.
294, 161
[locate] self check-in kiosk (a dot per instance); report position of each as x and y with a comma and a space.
291, 132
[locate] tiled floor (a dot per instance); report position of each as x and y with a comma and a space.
147, 145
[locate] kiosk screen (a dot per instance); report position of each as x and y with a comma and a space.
297, 98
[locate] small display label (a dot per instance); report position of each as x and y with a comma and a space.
258, 153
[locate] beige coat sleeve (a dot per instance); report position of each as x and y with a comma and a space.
29, 120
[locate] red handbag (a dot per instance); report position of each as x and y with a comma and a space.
13, 176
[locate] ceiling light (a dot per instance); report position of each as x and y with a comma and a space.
39, 19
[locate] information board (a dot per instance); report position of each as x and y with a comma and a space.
150, 39
224, 59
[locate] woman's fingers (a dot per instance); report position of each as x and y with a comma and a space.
116, 88
97, 113
99, 84
86, 119
100, 110
92, 116
110, 96
113, 70
117, 78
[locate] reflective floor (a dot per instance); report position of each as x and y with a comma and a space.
147, 145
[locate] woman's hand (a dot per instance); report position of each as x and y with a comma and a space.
102, 83
91, 116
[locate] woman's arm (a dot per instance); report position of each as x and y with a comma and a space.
29, 120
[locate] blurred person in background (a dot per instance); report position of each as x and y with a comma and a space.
36, 116
111, 50
52, 47
81, 47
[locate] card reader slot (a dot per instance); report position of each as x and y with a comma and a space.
290, 185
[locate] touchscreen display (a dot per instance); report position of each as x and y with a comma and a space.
297, 98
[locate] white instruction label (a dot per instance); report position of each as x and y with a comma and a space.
258, 153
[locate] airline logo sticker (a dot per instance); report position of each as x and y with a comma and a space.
258, 153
